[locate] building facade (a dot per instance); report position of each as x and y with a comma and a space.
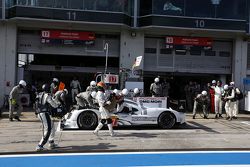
36, 45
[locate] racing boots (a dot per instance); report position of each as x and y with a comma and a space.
99, 127
40, 148
17, 118
111, 132
52, 144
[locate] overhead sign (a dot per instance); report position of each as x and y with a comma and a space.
111, 79
194, 41
67, 37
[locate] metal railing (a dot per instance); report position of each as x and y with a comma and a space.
124, 6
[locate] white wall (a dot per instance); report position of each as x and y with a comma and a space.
239, 66
239, 69
8, 33
131, 47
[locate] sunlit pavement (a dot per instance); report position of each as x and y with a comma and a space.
196, 134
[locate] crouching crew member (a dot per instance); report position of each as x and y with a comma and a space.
120, 99
60, 97
86, 99
105, 115
92, 87
44, 103
201, 100
136, 92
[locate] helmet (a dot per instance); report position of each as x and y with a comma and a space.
204, 93
225, 87
92, 83
101, 84
232, 83
55, 80
22, 82
115, 91
66, 91
45, 88
136, 90
93, 94
213, 81
125, 92
157, 80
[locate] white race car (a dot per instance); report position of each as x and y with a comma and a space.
132, 114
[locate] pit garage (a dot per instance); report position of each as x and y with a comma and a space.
44, 54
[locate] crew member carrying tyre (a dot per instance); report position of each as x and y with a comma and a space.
201, 100
105, 115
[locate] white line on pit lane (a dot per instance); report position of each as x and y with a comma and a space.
246, 122
130, 131
126, 153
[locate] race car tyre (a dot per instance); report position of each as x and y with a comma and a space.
87, 120
166, 120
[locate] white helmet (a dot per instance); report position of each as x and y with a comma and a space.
125, 92
115, 91
22, 82
213, 81
157, 80
232, 83
66, 91
93, 94
92, 83
136, 90
55, 80
204, 93
225, 87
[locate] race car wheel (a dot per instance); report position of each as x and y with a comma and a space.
166, 120
87, 120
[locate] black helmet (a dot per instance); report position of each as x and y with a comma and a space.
45, 88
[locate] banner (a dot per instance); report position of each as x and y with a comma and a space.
67, 35
137, 62
194, 41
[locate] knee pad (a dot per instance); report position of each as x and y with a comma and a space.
103, 121
109, 120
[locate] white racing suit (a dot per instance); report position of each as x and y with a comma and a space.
105, 115
15, 101
84, 99
59, 97
230, 103
236, 106
43, 113
217, 100
91, 89
75, 88
156, 89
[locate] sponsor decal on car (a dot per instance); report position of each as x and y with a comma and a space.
144, 118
